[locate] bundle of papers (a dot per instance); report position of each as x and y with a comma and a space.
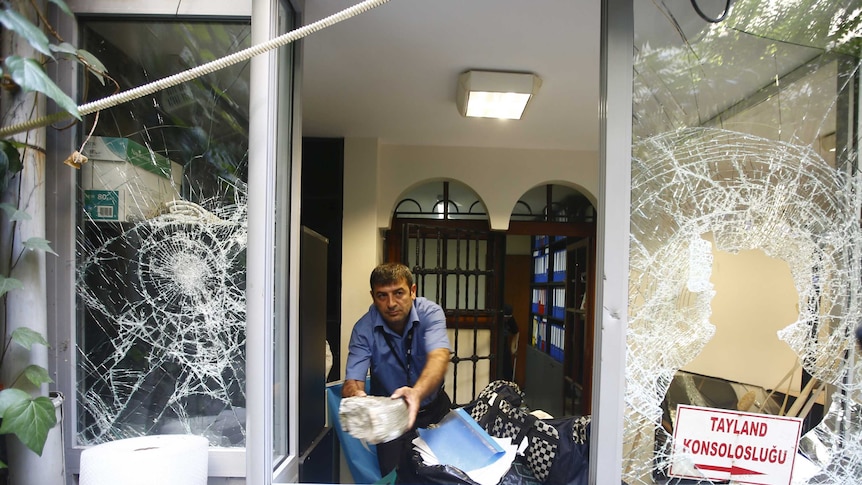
460, 442
374, 419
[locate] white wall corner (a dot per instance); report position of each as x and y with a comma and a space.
361, 249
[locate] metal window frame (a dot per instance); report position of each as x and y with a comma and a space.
256, 458
266, 233
612, 255
239, 8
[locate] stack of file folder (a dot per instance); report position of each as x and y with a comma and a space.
460, 442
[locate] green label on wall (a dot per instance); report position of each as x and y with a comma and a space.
102, 205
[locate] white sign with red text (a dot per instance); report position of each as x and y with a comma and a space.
720, 444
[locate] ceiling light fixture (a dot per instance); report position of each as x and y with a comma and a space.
492, 94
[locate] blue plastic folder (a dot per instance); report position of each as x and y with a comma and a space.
460, 442
361, 460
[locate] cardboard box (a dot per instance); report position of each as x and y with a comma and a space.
123, 181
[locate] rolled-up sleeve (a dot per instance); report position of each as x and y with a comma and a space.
358, 352
436, 336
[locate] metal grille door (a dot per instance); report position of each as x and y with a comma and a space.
456, 268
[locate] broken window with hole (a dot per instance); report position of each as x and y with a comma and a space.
745, 234
161, 237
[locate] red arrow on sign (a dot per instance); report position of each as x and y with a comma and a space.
733, 470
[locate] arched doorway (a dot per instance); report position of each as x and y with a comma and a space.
549, 274
441, 230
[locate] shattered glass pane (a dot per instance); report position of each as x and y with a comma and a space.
743, 138
160, 269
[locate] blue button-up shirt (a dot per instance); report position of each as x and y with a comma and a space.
368, 347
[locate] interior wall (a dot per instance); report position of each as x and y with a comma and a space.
754, 298
361, 248
518, 244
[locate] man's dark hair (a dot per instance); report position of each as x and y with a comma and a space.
391, 273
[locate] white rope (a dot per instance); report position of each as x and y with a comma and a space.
198, 71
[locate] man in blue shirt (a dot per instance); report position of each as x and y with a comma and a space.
402, 339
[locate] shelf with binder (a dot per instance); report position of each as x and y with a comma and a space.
557, 341
558, 270
561, 316
539, 332
541, 258
548, 300
538, 301
548, 336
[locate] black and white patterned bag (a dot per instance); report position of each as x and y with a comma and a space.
497, 410
496, 390
557, 450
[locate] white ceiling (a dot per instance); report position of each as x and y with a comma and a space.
391, 72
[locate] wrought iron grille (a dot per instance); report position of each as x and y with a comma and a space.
457, 268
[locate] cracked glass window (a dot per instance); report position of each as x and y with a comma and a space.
745, 145
160, 268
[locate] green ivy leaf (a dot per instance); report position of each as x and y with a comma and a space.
11, 397
38, 243
36, 375
65, 48
95, 63
28, 74
26, 337
13, 213
30, 421
9, 284
62, 6
17, 23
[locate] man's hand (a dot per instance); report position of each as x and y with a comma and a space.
413, 399
352, 388
428, 383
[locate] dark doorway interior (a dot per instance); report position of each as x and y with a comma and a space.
322, 203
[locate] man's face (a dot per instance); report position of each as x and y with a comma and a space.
394, 301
